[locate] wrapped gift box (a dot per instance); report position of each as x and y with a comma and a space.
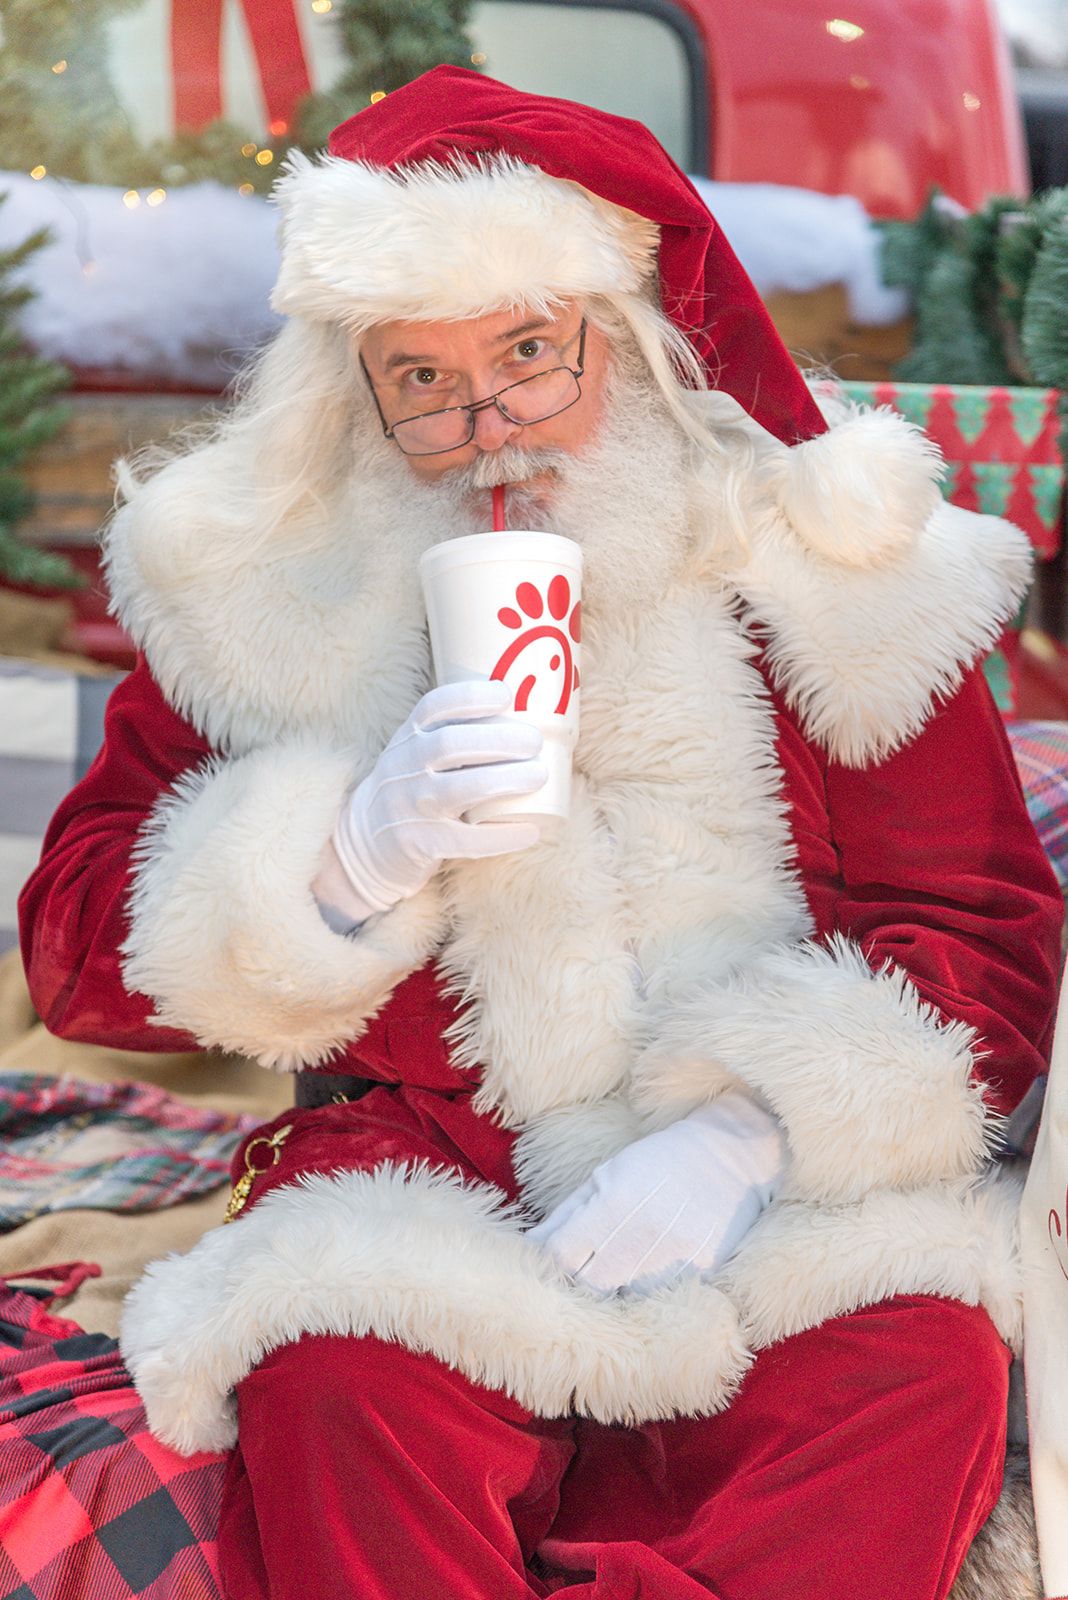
1003, 457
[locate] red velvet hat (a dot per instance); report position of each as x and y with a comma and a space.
458, 195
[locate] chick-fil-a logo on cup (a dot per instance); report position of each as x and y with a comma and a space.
555, 618
508, 606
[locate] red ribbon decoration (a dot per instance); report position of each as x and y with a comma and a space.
196, 60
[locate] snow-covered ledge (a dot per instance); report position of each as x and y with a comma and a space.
178, 289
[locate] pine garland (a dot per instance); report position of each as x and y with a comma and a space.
945, 262
28, 418
388, 43
990, 292
59, 105
61, 112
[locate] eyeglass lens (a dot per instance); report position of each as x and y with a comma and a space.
531, 400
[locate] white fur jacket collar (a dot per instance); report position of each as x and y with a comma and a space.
615, 977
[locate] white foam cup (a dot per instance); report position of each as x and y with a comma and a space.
508, 606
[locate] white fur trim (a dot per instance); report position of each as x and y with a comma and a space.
556, 1153
861, 493
862, 653
874, 1089
674, 864
414, 1256
364, 244
225, 934
802, 1264
259, 633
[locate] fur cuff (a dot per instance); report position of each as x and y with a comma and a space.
873, 595
225, 935
874, 1089
416, 1257
803, 1264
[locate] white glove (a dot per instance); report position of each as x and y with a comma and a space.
403, 820
676, 1201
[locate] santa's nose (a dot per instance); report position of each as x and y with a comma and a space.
492, 430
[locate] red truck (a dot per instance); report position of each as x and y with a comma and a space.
883, 102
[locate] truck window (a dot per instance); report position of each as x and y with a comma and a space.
642, 59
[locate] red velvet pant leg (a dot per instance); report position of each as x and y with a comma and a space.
858, 1459
367, 1472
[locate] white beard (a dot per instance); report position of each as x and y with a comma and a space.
624, 499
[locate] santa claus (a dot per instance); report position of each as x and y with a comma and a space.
663, 1257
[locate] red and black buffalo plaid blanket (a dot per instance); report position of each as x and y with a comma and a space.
91, 1506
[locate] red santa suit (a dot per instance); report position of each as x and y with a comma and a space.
798, 862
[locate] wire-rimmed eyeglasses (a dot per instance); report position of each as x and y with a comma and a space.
534, 399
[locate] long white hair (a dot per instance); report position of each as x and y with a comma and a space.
276, 462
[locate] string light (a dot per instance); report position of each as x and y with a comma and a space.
479, 58
246, 188
321, 7
58, 67
848, 32
38, 173
278, 128
379, 94
249, 149
157, 197
265, 158
972, 102
131, 199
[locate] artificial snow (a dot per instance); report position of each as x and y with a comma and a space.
178, 291
798, 240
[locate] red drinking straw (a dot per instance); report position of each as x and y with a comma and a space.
497, 493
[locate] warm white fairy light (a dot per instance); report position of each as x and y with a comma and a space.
479, 58
249, 149
848, 32
321, 7
38, 172
265, 158
379, 94
58, 67
246, 188
157, 197
131, 199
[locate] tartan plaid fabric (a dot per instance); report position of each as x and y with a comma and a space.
68, 1145
91, 1506
1041, 751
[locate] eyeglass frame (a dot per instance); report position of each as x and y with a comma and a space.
577, 372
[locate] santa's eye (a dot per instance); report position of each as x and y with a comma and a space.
425, 376
529, 349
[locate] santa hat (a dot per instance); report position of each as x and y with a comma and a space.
457, 195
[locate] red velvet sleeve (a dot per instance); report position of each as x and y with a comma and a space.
73, 919
934, 865
72, 912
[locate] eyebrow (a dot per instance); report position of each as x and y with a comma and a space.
403, 359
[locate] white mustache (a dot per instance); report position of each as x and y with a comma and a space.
509, 464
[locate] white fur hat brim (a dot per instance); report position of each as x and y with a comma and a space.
364, 244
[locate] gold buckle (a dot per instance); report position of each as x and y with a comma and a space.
240, 1193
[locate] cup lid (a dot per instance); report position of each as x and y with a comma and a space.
523, 544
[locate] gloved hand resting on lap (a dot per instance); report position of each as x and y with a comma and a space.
678, 1200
